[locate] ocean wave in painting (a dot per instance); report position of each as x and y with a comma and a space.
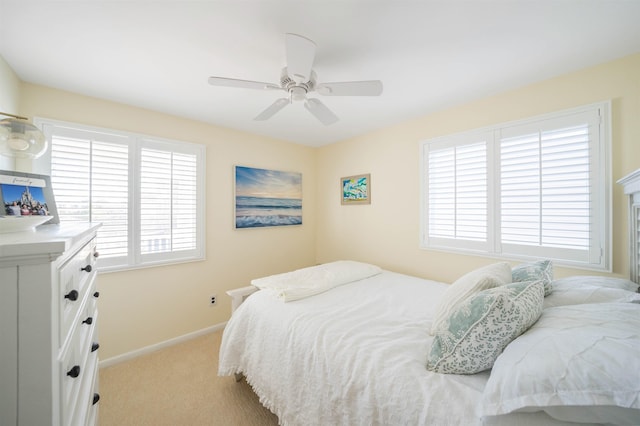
253, 212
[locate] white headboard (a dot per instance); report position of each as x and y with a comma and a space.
631, 185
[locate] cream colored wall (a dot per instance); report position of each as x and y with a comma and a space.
147, 306
386, 232
9, 102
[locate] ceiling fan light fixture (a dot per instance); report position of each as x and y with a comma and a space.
20, 139
298, 93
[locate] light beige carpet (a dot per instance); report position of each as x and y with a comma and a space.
178, 386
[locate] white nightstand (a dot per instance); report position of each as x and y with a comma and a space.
238, 295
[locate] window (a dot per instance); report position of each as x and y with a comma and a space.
147, 193
536, 188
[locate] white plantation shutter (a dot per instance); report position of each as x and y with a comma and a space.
110, 197
442, 193
155, 201
549, 190
89, 176
458, 194
71, 177
185, 202
168, 202
148, 194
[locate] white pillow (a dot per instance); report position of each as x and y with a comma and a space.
567, 293
595, 280
477, 280
575, 359
482, 325
313, 280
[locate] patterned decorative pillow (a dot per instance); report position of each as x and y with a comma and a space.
464, 287
483, 325
539, 270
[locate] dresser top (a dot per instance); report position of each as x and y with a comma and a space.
45, 240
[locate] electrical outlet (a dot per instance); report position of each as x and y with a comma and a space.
213, 300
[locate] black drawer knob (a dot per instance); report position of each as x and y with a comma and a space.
96, 398
72, 295
74, 372
96, 254
96, 294
87, 268
95, 346
88, 321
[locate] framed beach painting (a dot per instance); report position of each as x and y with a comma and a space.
356, 189
267, 198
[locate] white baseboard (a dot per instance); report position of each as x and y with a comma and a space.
152, 348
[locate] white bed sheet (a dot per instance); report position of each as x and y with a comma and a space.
354, 355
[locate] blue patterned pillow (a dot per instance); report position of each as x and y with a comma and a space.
483, 325
470, 283
540, 270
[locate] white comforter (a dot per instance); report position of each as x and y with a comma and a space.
354, 355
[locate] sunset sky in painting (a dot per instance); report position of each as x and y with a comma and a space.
251, 182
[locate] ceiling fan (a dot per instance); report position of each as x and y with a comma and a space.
298, 79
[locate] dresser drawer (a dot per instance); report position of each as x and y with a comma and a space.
72, 373
75, 276
92, 418
85, 412
79, 363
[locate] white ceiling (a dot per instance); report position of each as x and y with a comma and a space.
430, 55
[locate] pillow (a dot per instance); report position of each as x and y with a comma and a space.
477, 280
539, 270
575, 360
568, 293
313, 280
482, 325
608, 282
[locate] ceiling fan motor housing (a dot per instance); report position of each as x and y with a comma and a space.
298, 92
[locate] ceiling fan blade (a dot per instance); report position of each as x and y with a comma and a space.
351, 88
272, 109
243, 84
300, 54
320, 111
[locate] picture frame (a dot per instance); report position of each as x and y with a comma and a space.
355, 189
27, 201
267, 198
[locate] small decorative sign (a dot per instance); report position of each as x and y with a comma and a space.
27, 201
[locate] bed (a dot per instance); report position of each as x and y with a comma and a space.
348, 343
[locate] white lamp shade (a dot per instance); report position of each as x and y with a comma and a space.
19, 138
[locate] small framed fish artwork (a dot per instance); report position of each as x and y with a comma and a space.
356, 189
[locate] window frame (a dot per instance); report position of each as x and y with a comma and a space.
600, 176
136, 143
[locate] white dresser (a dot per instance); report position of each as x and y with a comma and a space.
48, 326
